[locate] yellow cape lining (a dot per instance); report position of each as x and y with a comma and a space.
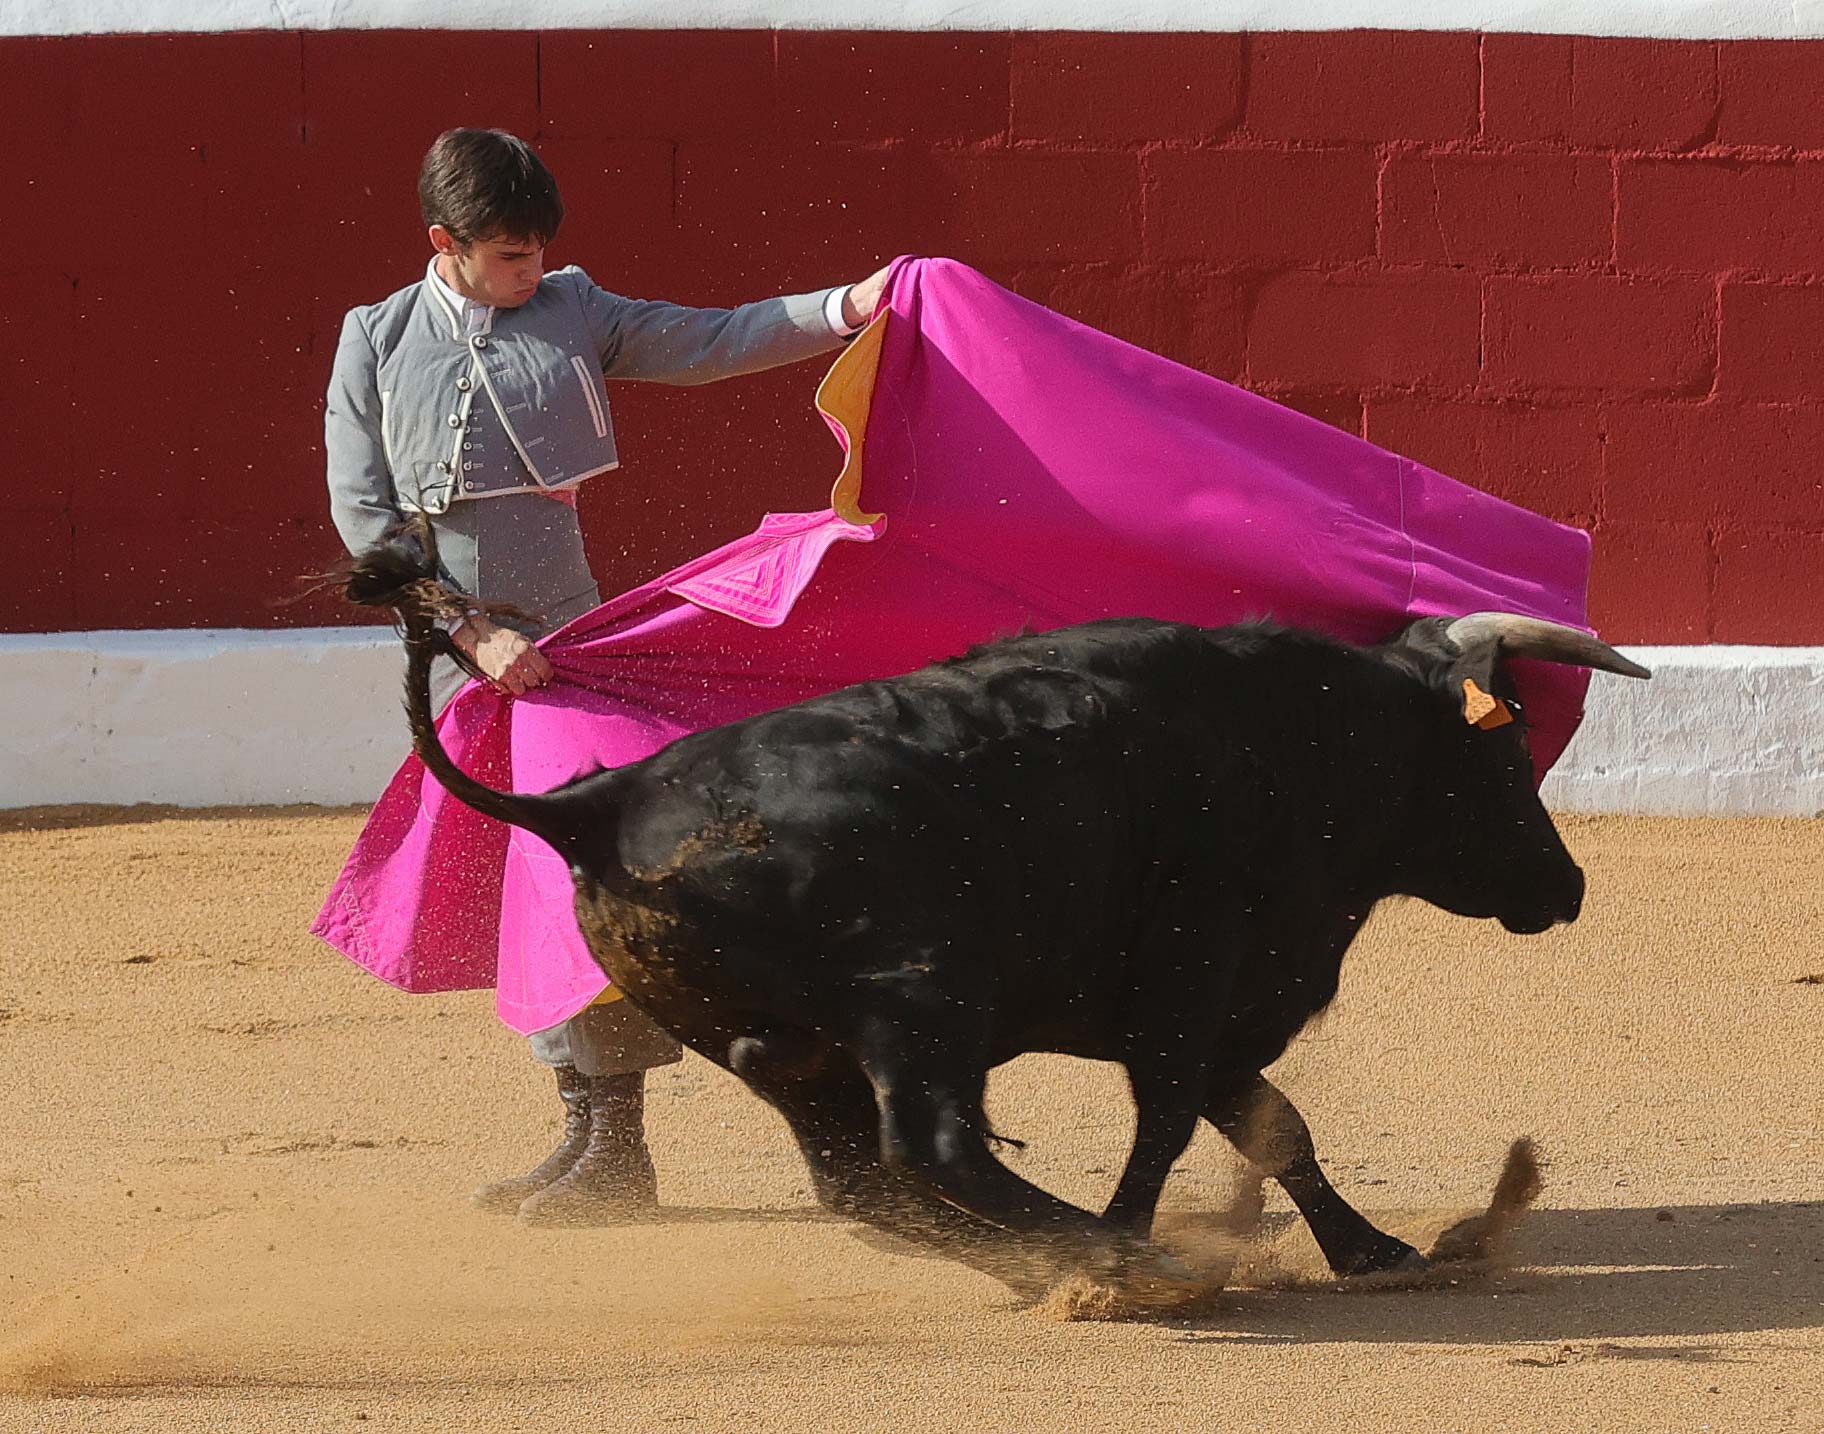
846, 397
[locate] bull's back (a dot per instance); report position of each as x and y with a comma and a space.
1016, 821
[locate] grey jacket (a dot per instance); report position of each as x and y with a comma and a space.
415, 410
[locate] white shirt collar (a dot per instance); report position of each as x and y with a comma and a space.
475, 318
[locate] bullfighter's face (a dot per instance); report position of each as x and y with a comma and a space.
501, 271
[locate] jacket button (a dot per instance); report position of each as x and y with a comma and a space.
480, 341
463, 383
455, 420
467, 446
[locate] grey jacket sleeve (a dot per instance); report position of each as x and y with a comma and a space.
673, 343
361, 498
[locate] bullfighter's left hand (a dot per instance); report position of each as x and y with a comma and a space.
859, 303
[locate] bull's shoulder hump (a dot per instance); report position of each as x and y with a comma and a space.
1034, 684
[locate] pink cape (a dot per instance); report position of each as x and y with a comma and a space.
1031, 472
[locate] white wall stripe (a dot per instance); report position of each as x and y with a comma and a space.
221, 716
1719, 731
199, 717
1666, 19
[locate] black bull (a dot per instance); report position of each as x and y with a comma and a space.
1129, 840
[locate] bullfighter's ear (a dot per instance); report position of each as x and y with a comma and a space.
1483, 709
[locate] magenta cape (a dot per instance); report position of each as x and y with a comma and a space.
1031, 472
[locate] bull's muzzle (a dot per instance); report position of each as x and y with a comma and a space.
1564, 906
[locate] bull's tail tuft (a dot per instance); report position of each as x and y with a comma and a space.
400, 572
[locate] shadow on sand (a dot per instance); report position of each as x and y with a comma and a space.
737, 1215
1683, 1271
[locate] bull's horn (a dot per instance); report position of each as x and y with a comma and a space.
1519, 636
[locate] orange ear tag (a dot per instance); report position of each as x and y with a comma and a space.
1482, 710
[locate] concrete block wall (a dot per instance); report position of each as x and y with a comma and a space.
1578, 272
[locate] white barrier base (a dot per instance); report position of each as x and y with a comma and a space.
1719, 731
229, 717
200, 717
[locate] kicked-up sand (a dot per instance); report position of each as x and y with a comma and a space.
234, 1168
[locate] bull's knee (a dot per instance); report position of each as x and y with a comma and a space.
903, 1144
931, 1139
1264, 1126
906, 1128
774, 1056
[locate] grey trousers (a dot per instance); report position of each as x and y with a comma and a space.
527, 549
613, 1038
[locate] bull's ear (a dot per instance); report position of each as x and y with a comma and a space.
1465, 670
1481, 639
1472, 674
1484, 709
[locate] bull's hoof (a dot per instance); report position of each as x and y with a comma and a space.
1411, 1271
1387, 1259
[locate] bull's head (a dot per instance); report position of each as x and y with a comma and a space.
1496, 852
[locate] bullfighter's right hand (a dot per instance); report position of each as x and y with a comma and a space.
508, 658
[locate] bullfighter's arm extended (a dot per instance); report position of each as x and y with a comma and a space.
676, 344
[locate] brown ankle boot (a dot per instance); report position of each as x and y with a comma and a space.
613, 1180
505, 1196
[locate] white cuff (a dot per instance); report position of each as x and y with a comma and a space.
832, 313
450, 624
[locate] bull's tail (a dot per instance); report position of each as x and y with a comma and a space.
400, 572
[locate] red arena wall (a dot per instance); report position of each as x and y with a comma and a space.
1579, 273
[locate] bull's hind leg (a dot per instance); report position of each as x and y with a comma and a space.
1265, 1127
928, 1077
831, 1110
829, 1106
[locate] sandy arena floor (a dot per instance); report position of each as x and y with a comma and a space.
233, 1173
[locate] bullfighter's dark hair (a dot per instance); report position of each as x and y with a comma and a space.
486, 183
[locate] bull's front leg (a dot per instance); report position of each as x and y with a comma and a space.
1266, 1128
1165, 1119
